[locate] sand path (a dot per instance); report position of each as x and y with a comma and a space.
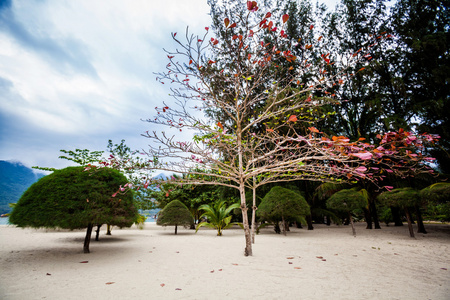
153, 263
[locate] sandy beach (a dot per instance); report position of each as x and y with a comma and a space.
153, 263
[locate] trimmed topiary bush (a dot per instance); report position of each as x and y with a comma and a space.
73, 198
347, 200
173, 214
282, 204
403, 198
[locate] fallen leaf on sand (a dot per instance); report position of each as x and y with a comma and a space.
212, 271
445, 269
84, 262
290, 262
319, 257
289, 258
220, 269
297, 268
396, 254
162, 284
177, 289
110, 283
324, 259
49, 274
235, 264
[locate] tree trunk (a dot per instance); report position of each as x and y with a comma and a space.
247, 234
368, 218
310, 223
420, 225
408, 217
97, 232
373, 210
108, 229
351, 222
87, 239
396, 216
283, 223
176, 228
254, 208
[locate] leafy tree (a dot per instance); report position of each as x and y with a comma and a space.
217, 216
347, 200
423, 37
404, 198
173, 214
282, 204
73, 198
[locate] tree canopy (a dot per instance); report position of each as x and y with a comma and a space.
73, 198
173, 214
282, 204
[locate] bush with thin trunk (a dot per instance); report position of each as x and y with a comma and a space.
73, 198
347, 200
282, 204
175, 213
404, 198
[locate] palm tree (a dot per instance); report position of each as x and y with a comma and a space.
217, 216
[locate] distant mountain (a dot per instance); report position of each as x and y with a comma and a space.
15, 179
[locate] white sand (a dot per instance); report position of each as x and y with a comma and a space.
153, 263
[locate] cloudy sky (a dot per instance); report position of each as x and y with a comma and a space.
74, 74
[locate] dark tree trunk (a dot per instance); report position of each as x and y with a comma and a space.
298, 225
351, 222
408, 218
328, 221
396, 216
373, 210
176, 228
97, 232
277, 228
420, 225
108, 229
87, 239
368, 218
310, 223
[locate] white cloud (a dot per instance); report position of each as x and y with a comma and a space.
77, 73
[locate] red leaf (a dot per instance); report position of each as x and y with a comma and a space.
285, 18
220, 125
84, 262
207, 28
268, 15
109, 282
311, 27
293, 118
233, 25
162, 284
313, 129
227, 22
269, 130
190, 61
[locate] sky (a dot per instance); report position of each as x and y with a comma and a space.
74, 74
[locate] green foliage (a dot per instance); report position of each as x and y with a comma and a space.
402, 197
175, 213
217, 215
347, 200
437, 198
282, 204
73, 198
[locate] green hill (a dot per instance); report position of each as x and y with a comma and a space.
15, 179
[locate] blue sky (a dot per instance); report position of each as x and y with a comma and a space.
74, 74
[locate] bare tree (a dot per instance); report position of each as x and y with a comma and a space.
265, 133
